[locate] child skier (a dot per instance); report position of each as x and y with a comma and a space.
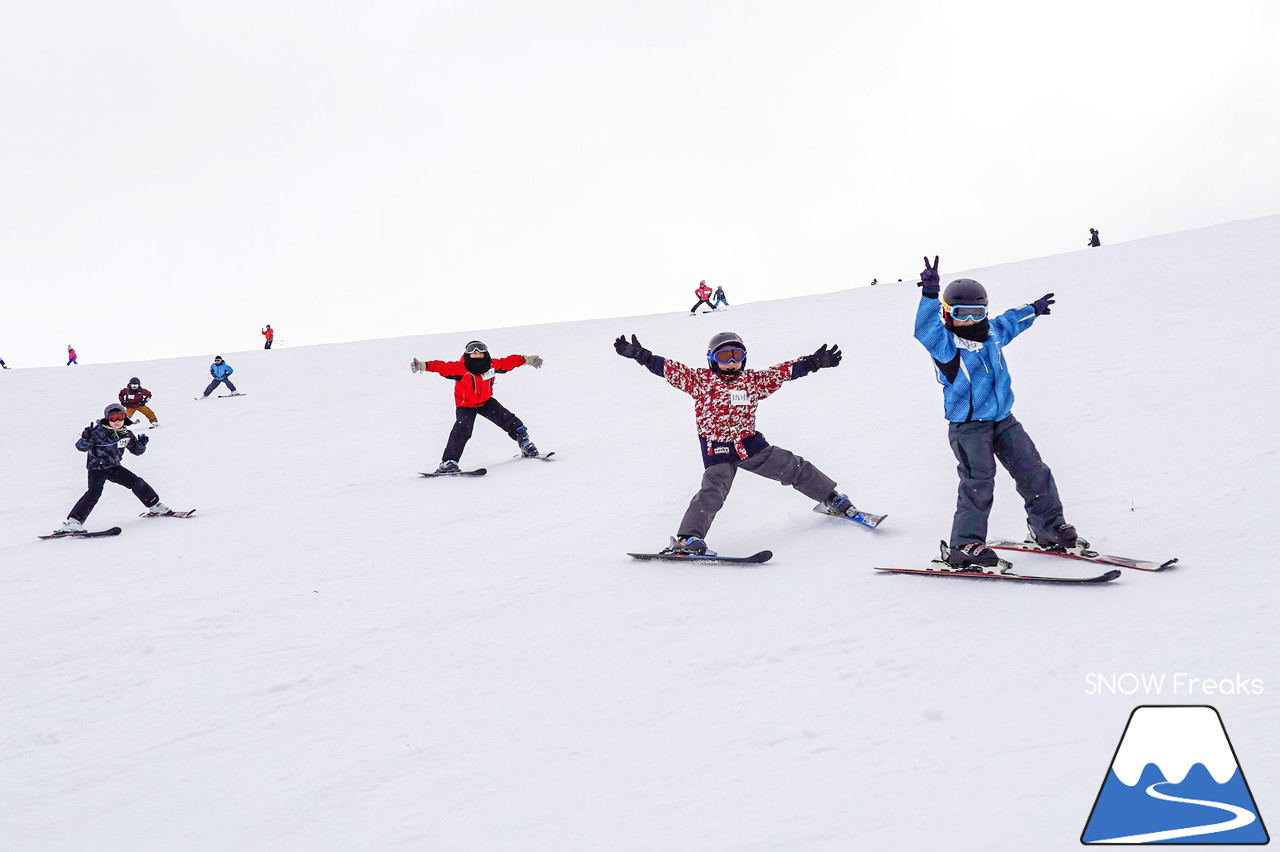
134, 399
475, 373
703, 292
719, 299
105, 441
967, 352
221, 372
71, 356
269, 335
725, 395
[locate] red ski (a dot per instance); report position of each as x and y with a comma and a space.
1081, 554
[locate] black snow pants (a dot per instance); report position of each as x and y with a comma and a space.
465, 422
977, 445
120, 476
782, 466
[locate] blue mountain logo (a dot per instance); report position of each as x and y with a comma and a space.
1175, 779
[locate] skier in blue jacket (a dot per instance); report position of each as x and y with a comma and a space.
221, 372
968, 356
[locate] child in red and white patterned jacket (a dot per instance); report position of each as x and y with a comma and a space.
725, 395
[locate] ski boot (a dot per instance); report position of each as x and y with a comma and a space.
974, 557
158, 509
69, 527
839, 504
527, 448
1061, 539
687, 545
448, 467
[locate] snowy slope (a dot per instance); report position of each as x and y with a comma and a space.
337, 654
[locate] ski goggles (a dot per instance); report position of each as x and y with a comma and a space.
730, 355
977, 313
112, 418
475, 347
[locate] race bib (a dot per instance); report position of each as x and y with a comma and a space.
739, 397
122, 443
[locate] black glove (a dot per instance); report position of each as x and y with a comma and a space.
1042, 304
929, 278
142, 439
88, 430
631, 349
824, 357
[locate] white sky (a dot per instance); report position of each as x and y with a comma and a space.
174, 176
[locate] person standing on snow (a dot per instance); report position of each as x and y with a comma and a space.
725, 395
719, 299
1094, 239
475, 374
221, 372
71, 356
134, 398
105, 441
703, 292
968, 356
269, 335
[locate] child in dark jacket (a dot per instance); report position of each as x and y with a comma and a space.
105, 442
134, 398
475, 373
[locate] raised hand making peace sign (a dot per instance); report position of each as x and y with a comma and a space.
929, 278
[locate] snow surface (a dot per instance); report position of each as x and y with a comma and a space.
337, 654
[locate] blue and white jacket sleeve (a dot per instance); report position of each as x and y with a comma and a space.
1011, 323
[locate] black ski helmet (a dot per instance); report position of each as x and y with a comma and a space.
962, 291
720, 341
134, 381
113, 408
475, 346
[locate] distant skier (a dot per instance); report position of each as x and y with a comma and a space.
719, 299
105, 441
703, 292
3, 365
71, 356
967, 351
269, 335
1094, 239
475, 373
221, 372
725, 395
134, 398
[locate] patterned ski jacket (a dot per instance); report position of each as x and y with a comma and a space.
473, 391
134, 398
220, 371
974, 376
724, 410
106, 446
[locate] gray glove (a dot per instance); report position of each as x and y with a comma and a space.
534, 361
417, 366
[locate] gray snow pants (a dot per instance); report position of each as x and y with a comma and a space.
977, 445
774, 463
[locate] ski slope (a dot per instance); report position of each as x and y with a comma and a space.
338, 654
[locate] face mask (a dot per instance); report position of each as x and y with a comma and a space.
478, 366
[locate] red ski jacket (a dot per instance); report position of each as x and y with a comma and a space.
473, 391
702, 292
725, 411
132, 399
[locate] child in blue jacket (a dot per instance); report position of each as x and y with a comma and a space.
221, 372
968, 356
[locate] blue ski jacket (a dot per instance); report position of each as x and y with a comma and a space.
220, 371
974, 377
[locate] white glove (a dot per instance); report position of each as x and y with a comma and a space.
534, 361
417, 366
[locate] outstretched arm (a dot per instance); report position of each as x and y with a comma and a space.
824, 357
633, 349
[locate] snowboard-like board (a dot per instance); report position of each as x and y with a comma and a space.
98, 534
1004, 571
863, 519
1084, 555
754, 559
170, 514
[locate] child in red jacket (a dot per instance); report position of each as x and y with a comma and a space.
473, 394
